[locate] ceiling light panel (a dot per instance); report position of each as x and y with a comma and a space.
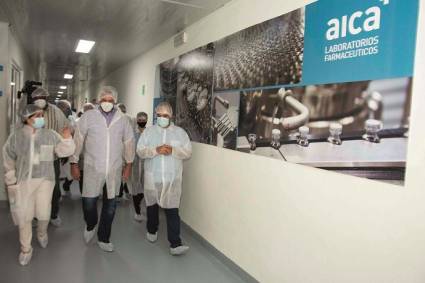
84, 46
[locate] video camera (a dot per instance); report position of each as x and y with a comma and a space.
28, 88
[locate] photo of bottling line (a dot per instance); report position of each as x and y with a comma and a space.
357, 128
186, 82
267, 54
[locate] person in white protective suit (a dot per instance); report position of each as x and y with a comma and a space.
106, 136
136, 182
30, 177
164, 146
124, 192
86, 107
65, 106
55, 120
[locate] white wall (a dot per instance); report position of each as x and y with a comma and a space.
10, 52
283, 222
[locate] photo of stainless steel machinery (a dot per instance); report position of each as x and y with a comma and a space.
186, 82
225, 119
267, 54
357, 128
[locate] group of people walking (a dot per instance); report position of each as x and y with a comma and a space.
109, 149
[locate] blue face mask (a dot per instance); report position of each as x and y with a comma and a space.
163, 122
38, 123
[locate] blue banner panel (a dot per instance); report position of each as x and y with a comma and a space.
347, 41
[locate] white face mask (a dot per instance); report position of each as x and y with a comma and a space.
163, 122
107, 106
40, 103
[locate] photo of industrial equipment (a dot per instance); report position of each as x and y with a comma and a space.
225, 119
247, 92
267, 54
358, 128
186, 82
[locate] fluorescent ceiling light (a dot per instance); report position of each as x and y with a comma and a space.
62, 87
60, 92
68, 76
84, 46
12, 83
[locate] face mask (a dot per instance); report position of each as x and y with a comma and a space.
107, 106
142, 124
163, 122
38, 123
40, 103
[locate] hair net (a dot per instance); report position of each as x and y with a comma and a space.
142, 114
39, 92
88, 106
164, 107
64, 103
108, 90
122, 107
29, 110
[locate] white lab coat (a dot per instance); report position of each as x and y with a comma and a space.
104, 148
163, 174
29, 156
136, 183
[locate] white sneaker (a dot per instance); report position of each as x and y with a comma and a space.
139, 217
180, 250
57, 222
25, 258
43, 241
88, 235
107, 247
152, 237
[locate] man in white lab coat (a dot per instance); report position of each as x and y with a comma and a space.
106, 136
164, 146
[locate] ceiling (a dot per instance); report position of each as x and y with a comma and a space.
122, 29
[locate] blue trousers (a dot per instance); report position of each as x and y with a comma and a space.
106, 217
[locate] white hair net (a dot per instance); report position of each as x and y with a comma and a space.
29, 110
165, 108
64, 102
88, 106
39, 92
108, 90
142, 114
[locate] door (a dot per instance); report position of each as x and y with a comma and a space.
15, 86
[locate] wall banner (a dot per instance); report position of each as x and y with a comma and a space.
327, 85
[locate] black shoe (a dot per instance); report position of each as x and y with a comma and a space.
67, 185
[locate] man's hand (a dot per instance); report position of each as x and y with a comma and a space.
126, 172
168, 149
66, 133
164, 149
75, 172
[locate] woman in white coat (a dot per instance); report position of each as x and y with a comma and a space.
29, 174
164, 146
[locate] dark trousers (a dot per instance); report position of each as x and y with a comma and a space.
123, 188
137, 199
173, 223
81, 181
67, 184
106, 217
56, 191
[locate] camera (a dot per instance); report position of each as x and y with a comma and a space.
28, 88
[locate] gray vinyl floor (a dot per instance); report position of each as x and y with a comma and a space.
69, 259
